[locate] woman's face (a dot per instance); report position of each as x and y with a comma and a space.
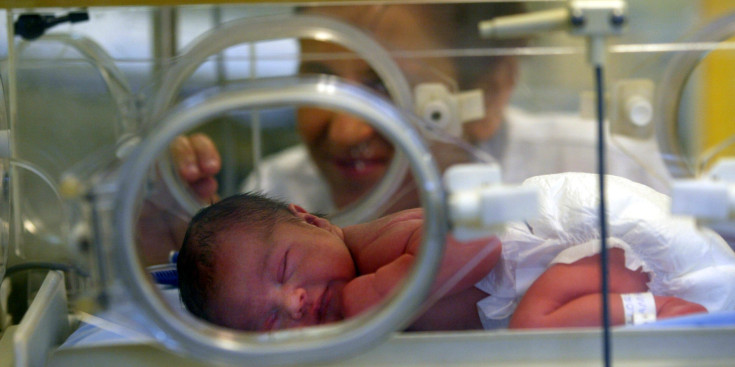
351, 155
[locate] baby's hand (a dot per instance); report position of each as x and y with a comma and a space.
673, 306
369, 290
197, 161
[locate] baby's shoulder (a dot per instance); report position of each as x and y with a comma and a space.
405, 215
392, 231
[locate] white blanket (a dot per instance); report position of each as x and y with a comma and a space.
681, 259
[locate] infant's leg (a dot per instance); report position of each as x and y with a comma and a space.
570, 295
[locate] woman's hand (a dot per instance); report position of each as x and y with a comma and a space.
197, 161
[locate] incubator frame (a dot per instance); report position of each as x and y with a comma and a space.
667, 346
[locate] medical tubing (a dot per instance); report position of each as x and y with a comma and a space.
46, 178
601, 168
44, 265
291, 26
432, 132
305, 345
641, 161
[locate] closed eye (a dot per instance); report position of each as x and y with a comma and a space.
284, 266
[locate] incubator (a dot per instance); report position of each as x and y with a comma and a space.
355, 111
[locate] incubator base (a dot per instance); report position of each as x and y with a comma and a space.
575, 348
688, 346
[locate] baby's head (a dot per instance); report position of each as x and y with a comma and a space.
253, 263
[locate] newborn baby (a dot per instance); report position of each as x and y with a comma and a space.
253, 263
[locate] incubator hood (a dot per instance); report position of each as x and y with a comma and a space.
459, 114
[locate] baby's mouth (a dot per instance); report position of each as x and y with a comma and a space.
323, 305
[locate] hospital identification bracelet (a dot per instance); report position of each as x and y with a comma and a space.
639, 308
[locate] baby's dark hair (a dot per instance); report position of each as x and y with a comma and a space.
253, 212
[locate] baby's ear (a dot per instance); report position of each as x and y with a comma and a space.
301, 213
296, 210
308, 217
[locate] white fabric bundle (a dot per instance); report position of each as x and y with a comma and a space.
681, 259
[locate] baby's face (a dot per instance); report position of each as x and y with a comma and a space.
294, 279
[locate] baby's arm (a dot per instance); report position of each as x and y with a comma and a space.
368, 290
389, 256
383, 253
569, 295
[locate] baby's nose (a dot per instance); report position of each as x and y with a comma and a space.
295, 303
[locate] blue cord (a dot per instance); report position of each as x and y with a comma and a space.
166, 274
601, 159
